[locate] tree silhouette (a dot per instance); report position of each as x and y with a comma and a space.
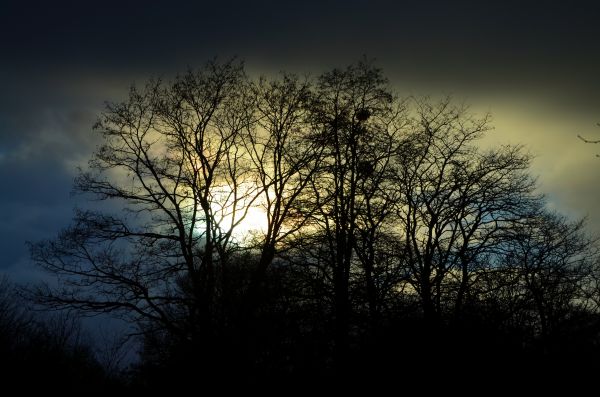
552, 260
283, 159
51, 348
456, 203
388, 232
170, 158
353, 114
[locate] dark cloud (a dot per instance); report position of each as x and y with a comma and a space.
154, 34
43, 137
35, 203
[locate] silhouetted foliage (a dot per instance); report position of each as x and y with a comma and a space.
50, 351
393, 243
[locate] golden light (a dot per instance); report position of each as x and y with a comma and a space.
242, 210
254, 222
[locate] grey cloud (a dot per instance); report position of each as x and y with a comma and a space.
35, 202
41, 143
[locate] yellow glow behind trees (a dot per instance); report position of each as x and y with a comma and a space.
242, 213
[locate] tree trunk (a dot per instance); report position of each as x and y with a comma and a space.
341, 340
462, 290
372, 300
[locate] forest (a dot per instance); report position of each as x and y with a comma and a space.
287, 230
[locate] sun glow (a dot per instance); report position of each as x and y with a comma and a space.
254, 222
243, 212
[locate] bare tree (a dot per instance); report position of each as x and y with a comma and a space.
171, 158
52, 346
552, 260
351, 109
381, 142
14, 319
283, 158
456, 201
373, 206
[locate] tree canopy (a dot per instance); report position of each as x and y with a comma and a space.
378, 215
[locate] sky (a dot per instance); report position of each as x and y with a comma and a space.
533, 66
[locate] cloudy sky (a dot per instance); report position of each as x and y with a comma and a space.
535, 67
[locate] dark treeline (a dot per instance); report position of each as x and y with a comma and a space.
393, 244
50, 351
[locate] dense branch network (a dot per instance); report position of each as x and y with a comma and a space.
370, 201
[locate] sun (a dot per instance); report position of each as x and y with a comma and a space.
254, 222
243, 213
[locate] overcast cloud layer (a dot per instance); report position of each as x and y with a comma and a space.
535, 67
